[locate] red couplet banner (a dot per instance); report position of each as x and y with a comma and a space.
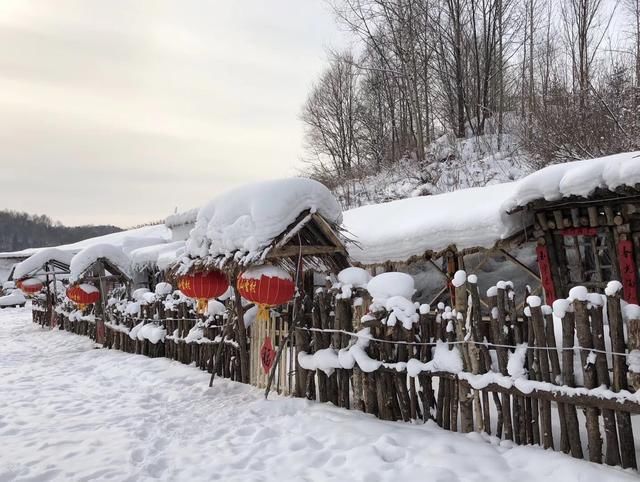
628, 271
545, 274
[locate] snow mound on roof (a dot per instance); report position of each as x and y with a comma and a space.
37, 260
398, 230
247, 219
128, 240
148, 256
180, 219
85, 258
578, 178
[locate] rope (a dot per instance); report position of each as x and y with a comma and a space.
460, 342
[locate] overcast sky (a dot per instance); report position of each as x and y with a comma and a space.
119, 111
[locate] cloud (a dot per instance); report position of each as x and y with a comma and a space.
119, 111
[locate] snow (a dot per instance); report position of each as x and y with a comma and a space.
631, 312
473, 279
578, 293
399, 230
244, 221
214, 307
403, 310
386, 285
325, 360
139, 293
180, 219
350, 278
267, 270
148, 256
354, 277
14, 298
534, 301
515, 365
85, 258
88, 288
39, 259
578, 178
127, 240
560, 307
163, 289
71, 412
152, 332
249, 316
613, 287
459, 278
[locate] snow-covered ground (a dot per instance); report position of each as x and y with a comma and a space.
72, 412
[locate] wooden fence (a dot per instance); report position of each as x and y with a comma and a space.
510, 374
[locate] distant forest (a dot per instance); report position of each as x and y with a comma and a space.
22, 230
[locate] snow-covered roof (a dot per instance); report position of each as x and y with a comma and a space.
400, 230
110, 252
180, 219
127, 240
151, 256
242, 222
578, 178
37, 260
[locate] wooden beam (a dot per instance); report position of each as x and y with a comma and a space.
580, 400
286, 251
517, 262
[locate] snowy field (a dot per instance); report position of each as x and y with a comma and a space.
71, 412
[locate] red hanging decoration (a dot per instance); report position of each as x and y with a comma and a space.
83, 294
545, 274
203, 286
628, 271
267, 354
266, 286
30, 286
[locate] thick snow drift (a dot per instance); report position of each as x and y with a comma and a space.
243, 221
71, 412
398, 230
579, 178
37, 260
85, 258
151, 256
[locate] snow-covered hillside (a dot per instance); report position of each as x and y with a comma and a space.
72, 412
451, 164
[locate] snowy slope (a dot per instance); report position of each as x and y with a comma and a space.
451, 164
71, 412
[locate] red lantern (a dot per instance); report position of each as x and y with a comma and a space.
83, 294
266, 286
203, 286
30, 286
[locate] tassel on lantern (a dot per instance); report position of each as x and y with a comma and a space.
264, 312
202, 305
